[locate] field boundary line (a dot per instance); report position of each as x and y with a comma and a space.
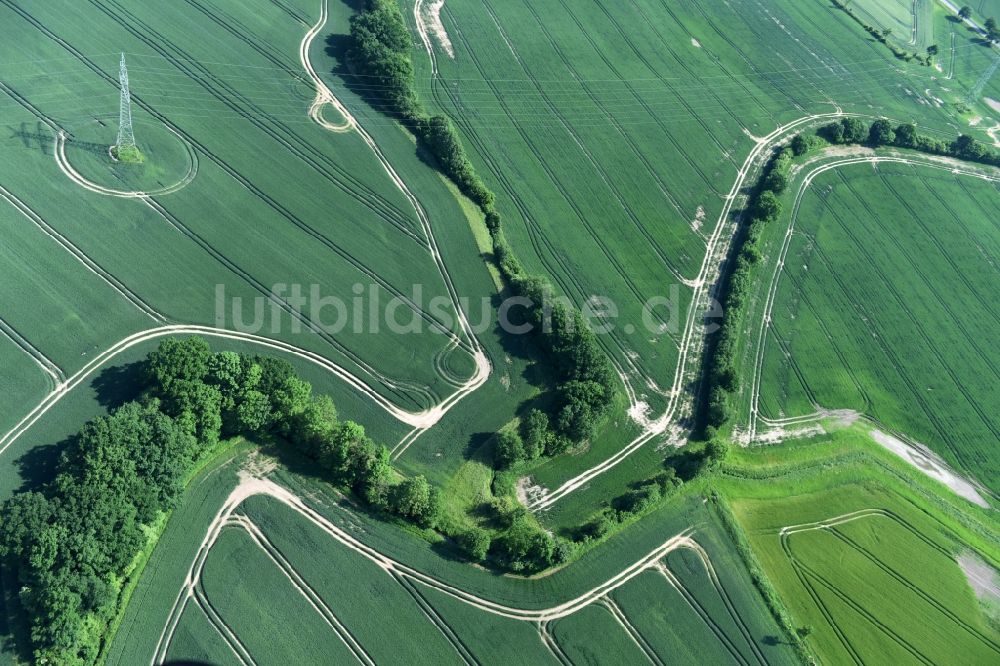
640, 642
82, 257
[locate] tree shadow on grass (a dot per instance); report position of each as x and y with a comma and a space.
38, 464
119, 384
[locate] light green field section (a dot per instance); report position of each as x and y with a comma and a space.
886, 306
863, 554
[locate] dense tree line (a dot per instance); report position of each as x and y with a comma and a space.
582, 391
380, 51
74, 540
882, 133
584, 379
763, 208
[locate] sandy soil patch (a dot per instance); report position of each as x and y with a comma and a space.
992, 103
428, 15
695, 43
928, 463
699, 219
983, 579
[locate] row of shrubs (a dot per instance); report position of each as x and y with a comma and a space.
517, 543
882, 132
380, 51
882, 36
645, 495
763, 208
582, 392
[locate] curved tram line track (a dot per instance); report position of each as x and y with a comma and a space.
251, 486
756, 419
805, 574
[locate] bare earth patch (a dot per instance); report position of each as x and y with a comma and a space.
992, 103
695, 43
429, 21
928, 463
983, 579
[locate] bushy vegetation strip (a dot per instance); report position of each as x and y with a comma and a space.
765, 206
76, 542
882, 132
882, 36
583, 376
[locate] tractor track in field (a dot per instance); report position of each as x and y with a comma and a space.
555, 180
311, 596
640, 642
250, 486
233, 641
549, 641
82, 257
391, 385
419, 420
727, 601
695, 606
954, 166
902, 580
238, 104
742, 91
626, 137
640, 55
247, 109
535, 232
435, 618
602, 173
52, 371
830, 525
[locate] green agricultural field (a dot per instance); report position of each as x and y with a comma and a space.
862, 554
245, 592
666, 109
197, 641
361, 595
907, 339
229, 103
276, 207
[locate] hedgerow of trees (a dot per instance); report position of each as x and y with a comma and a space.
905, 135
74, 540
765, 207
583, 388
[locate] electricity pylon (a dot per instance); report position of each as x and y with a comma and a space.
126, 140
